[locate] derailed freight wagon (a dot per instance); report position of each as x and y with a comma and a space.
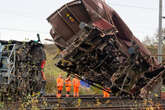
96, 45
21, 68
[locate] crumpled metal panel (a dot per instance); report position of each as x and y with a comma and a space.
115, 58
26, 75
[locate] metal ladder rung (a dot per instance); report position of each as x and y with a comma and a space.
4, 69
8, 64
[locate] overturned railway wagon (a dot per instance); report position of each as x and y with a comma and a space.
21, 68
97, 46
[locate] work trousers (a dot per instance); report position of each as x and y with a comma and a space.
76, 91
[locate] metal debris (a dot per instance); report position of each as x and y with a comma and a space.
96, 45
20, 68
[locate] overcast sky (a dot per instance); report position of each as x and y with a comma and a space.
20, 19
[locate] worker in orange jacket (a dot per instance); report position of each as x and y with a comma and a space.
59, 82
68, 86
76, 85
105, 93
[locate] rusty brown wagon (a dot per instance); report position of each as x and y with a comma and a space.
97, 46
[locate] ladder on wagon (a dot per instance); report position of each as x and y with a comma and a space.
7, 62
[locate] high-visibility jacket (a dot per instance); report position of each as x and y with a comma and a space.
59, 82
68, 83
76, 82
106, 94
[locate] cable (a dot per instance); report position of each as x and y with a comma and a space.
19, 13
134, 6
21, 30
22, 14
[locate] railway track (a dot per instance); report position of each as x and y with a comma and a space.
97, 102
105, 108
90, 102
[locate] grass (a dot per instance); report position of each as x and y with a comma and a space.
52, 72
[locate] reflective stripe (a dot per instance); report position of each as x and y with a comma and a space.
67, 83
59, 82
